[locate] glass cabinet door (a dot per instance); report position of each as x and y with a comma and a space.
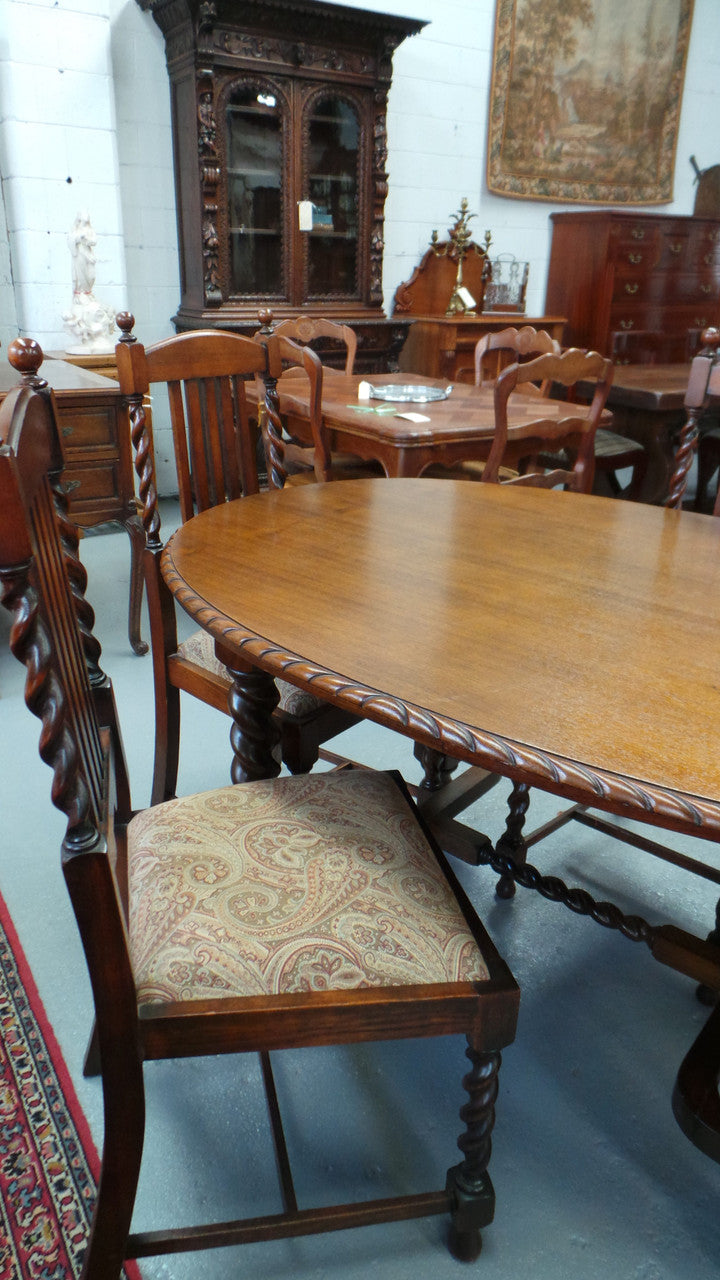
254, 123
331, 182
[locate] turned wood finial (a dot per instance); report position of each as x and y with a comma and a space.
125, 321
265, 316
25, 355
710, 339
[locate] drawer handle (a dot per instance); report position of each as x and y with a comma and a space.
708, 259
631, 288
67, 431
675, 248
637, 233
706, 288
71, 485
626, 324
635, 258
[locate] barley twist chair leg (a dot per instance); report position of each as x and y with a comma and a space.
512, 844
468, 1184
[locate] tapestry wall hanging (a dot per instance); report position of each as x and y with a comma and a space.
585, 99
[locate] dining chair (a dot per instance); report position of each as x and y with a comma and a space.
330, 917
567, 443
494, 351
206, 374
309, 462
328, 337
613, 452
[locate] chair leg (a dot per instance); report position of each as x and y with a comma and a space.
512, 844
124, 1115
468, 1184
167, 746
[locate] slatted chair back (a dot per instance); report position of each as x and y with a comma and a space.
573, 433
206, 375
493, 349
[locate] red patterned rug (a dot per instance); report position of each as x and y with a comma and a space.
48, 1162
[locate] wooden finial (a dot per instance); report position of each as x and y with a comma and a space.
265, 316
710, 339
125, 321
25, 355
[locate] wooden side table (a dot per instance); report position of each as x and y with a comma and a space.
444, 346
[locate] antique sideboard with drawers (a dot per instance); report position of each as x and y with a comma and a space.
638, 287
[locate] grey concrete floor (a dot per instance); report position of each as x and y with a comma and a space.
593, 1176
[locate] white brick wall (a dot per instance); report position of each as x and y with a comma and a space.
86, 96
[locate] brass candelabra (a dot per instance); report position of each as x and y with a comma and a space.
459, 244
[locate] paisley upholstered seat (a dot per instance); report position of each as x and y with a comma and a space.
320, 882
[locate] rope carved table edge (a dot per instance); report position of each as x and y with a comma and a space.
512, 759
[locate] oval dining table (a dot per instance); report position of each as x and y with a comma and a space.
567, 641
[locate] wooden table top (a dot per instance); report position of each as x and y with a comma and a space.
458, 428
567, 640
658, 387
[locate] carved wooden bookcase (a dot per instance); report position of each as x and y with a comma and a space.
277, 102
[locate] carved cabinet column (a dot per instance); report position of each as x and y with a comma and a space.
279, 126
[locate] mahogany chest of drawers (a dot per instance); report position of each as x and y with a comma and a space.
639, 288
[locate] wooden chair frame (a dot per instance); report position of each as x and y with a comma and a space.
216, 458
43, 587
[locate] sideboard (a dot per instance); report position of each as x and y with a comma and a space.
638, 287
98, 474
444, 346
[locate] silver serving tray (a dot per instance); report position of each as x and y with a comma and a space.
408, 394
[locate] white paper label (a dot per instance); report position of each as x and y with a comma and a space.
466, 297
305, 215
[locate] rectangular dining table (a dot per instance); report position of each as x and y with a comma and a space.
563, 640
458, 428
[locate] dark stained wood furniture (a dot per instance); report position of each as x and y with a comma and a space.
98, 462
419, 615
278, 104
459, 428
637, 287
205, 374
181, 970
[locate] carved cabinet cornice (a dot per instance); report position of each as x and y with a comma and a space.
279, 131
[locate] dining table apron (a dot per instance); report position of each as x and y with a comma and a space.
565, 640
453, 430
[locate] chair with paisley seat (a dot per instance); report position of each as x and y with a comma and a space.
330, 919
206, 373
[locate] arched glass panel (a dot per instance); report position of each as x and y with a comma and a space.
254, 168
334, 135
